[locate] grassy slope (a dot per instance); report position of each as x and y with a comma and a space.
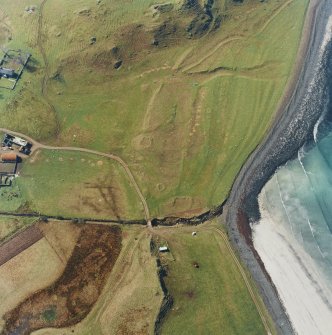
212, 299
184, 117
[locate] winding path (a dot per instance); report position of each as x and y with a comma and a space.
37, 145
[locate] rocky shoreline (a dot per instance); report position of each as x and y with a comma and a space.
291, 128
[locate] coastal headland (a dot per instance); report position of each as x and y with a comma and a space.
294, 121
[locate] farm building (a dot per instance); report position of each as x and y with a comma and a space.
12, 65
9, 157
8, 167
24, 146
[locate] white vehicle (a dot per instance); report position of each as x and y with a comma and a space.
19, 141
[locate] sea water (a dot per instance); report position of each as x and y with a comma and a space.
294, 235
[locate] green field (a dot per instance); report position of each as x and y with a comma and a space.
77, 185
213, 298
183, 114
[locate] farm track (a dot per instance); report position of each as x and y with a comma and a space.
37, 146
178, 63
147, 116
212, 52
46, 63
61, 257
124, 262
274, 15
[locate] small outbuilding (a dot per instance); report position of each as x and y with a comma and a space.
9, 157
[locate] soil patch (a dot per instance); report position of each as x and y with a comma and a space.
71, 297
189, 294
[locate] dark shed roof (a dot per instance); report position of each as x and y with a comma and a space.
6, 72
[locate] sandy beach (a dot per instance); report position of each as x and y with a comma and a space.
300, 284
290, 129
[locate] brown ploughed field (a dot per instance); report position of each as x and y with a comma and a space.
19, 243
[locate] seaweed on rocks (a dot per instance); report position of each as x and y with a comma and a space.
199, 25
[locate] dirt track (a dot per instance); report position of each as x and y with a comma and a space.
43, 53
19, 243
